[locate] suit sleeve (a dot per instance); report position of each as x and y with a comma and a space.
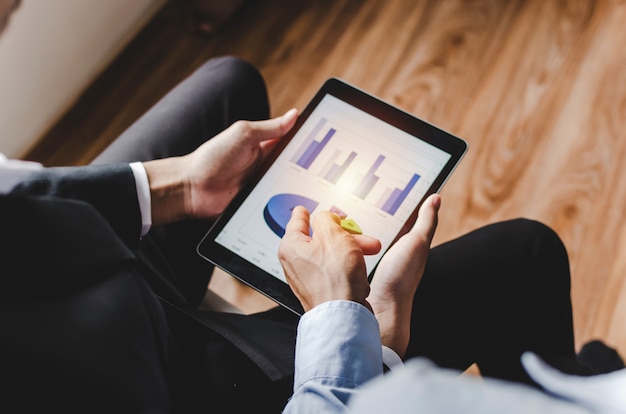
110, 189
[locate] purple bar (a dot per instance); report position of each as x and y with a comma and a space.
392, 206
366, 183
383, 198
366, 186
391, 200
314, 150
309, 139
330, 164
302, 162
331, 173
342, 169
376, 164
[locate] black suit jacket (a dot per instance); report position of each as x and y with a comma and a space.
69, 270
67, 221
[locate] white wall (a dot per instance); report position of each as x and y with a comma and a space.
50, 53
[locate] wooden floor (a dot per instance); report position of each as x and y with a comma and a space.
537, 88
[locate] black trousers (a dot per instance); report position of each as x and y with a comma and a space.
485, 297
492, 294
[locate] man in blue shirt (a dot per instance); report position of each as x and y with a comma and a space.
340, 336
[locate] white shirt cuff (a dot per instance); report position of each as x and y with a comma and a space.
391, 359
143, 195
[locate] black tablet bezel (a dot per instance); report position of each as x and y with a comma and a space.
264, 282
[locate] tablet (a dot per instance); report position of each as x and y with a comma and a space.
350, 153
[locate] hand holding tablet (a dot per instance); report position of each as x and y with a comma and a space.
349, 153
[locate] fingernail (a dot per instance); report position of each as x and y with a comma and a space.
437, 202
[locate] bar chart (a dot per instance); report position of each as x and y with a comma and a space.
334, 165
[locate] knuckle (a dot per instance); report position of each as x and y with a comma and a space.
284, 249
282, 255
243, 128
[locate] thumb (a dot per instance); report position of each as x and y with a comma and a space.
427, 217
275, 127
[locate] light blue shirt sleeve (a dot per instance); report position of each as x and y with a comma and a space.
337, 350
420, 385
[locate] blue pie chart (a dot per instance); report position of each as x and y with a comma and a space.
277, 211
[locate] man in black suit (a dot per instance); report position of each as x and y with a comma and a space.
98, 304
73, 282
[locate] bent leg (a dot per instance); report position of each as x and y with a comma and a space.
492, 294
217, 94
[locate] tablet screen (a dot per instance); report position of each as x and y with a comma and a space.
343, 160
350, 153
